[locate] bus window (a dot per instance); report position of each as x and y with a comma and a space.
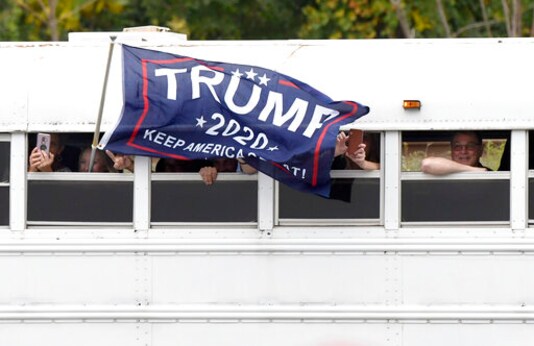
354, 197
351, 199
203, 191
67, 195
4, 181
416, 145
478, 196
79, 200
456, 200
531, 177
531, 198
184, 198
61, 156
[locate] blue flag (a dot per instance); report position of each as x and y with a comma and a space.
185, 108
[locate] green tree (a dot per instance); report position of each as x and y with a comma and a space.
53, 19
422, 18
10, 27
224, 19
349, 19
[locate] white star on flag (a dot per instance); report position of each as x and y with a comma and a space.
201, 121
263, 79
273, 148
237, 74
251, 74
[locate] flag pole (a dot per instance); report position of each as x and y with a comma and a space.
101, 108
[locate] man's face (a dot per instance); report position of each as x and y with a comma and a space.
465, 149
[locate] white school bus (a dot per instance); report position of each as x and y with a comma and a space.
158, 258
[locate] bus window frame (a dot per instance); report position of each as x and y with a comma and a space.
81, 177
342, 173
468, 176
437, 136
6, 138
530, 218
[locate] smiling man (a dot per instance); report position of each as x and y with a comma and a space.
466, 150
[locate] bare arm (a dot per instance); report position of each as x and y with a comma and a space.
358, 158
441, 166
341, 144
246, 168
208, 174
40, 161
121, 162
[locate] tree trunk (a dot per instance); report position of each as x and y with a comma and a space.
403, 20
506, 13
517, 23
52, 20
443, 18
484, 11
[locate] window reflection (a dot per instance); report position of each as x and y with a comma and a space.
351, 198
176, 201
80, 201
4, 162
466, 200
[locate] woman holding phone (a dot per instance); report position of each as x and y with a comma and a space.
46, 156
361, 152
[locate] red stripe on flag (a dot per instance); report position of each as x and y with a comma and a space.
146, 102
287, 83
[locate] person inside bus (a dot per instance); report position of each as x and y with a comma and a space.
208, 170
168, 165
466, 150
101, 164
121, 162
366, 156
41, 161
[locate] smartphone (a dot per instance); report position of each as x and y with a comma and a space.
43, 142
355, 139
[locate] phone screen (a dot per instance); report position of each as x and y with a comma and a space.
43, 142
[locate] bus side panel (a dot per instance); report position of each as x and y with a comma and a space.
69, 279
281, 278
69, 334
468, 334
318, 333
468, 279
288, 333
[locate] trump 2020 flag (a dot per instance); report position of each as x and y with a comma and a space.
185, 108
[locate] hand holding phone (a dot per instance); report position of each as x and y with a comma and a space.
43, 142
355, 139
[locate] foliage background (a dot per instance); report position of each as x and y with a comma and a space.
44, 20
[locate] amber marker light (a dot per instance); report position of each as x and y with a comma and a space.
411, 104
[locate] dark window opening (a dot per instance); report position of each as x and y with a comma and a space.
80, 201
350, 198
192, 201
455, 200
4, 161
4, 206
4, 178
